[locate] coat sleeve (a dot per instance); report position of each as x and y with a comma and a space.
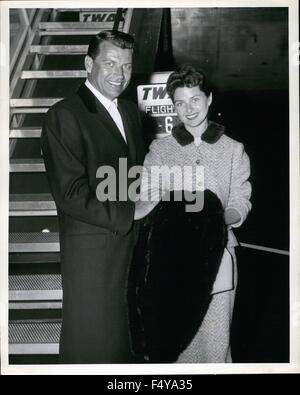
240, 189
152, 178
151, 182
65, 161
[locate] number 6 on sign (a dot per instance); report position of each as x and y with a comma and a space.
168, 124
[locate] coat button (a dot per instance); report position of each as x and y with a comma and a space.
198, 161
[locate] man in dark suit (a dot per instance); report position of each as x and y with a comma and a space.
82, 133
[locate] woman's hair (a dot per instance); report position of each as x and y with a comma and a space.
120, 39
187, 76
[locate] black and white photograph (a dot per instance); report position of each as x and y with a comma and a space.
149, 187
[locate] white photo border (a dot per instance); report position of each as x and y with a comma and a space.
159, 369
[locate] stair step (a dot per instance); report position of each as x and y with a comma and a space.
35, 305
28, 110
25, 133
42, 74
34, 337
76, 26
93, 10
34, 242
32, 205
36, 102
35, 287
26, 165
59, 49
61, 32
34, 258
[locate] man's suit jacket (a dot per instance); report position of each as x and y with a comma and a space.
96, 237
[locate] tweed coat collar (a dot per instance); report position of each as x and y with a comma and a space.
211, 135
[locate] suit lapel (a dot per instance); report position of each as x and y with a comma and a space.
101, 114
111, 125
129, 133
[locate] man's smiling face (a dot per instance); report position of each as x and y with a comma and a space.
111, 70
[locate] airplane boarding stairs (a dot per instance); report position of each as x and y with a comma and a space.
49, 64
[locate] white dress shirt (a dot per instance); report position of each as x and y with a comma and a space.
110, 106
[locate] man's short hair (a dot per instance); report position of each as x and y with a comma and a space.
120, 39
187, 76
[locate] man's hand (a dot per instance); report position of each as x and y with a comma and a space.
143, 208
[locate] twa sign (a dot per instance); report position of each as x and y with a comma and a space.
154, 101
101, 16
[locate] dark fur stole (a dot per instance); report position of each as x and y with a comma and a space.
175, 263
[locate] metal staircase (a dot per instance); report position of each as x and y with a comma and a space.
52, 49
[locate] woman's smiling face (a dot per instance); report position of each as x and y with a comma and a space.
191, 105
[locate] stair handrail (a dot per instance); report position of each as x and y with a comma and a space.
128, 19
19, 57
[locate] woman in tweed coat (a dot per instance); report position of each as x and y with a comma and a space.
196, 141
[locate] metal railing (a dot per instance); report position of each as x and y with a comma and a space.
20, 47
24, 26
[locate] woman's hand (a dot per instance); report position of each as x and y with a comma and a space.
231, 216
